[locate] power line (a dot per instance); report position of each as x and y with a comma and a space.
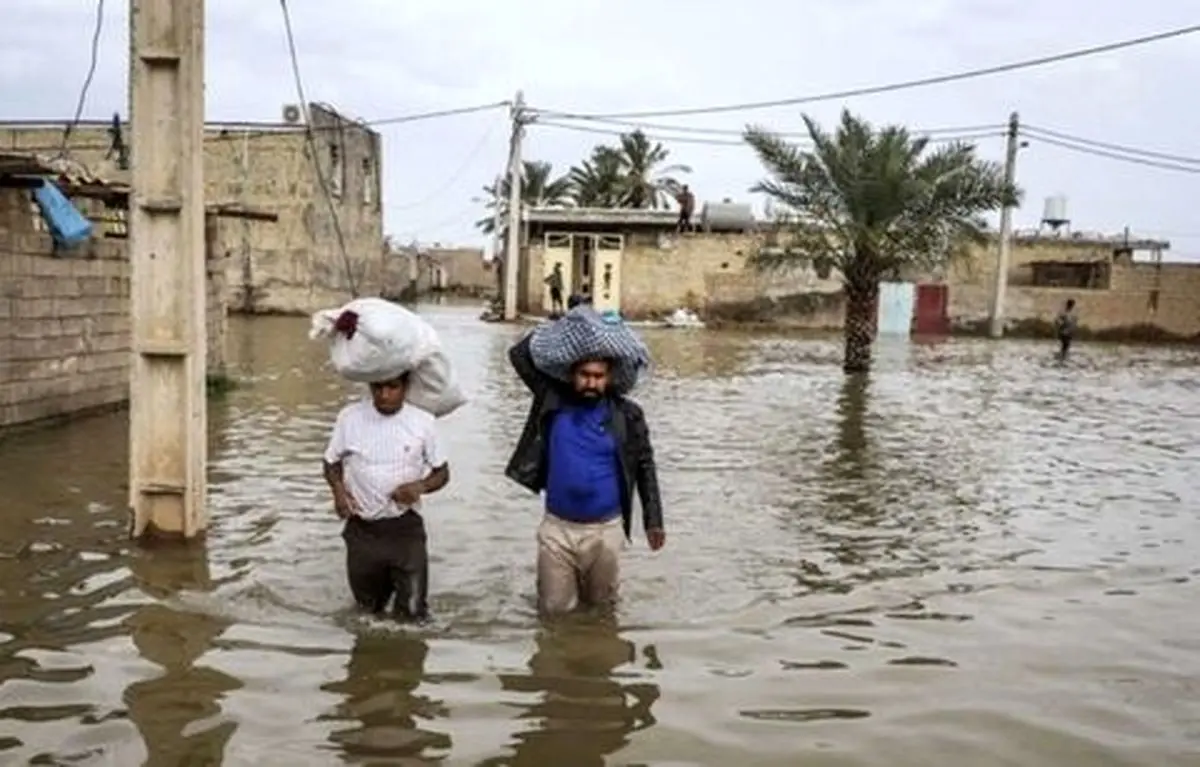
312, 145
87, 80
453, 177
907, 84
990, 133
645, 126
237, 131
1115, 156
1035, 131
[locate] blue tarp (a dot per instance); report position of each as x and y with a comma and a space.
67, 225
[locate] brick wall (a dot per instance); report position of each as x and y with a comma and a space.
1142, 300
294, 265
64, 321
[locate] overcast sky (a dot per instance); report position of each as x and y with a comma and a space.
385, 58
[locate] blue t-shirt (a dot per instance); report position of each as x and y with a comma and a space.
583, 482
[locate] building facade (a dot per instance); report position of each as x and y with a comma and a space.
294, 264
65, 326
634, 262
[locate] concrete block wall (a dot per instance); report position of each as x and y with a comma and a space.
703, 272
291, 266
65, 321
1142, 298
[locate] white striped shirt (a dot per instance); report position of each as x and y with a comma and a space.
380, 452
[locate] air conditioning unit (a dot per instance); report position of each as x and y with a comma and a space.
292, 114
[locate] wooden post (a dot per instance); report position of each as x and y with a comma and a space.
167, 418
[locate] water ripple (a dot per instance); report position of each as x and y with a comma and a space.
986, 557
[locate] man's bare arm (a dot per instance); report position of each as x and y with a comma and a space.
335, 476
437, 479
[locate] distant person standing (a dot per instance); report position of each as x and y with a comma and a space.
555, 283
1064, 327
687, 206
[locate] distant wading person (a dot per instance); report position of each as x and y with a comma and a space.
1064, 327
382, 457
589, 449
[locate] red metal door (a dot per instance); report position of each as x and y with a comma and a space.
932, 311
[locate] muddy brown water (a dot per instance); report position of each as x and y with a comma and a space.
977, 557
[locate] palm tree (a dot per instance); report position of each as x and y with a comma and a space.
872, 202
598, 181
540, 188
647, 183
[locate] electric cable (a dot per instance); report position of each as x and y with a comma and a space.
1114, 155
87, 80
904, 84
312, 145
1035, 131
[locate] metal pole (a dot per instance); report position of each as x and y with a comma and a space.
996, 320
512, 253
167, 416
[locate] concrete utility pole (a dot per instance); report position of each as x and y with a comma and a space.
167, 415
497, 226
512, 253
996, 320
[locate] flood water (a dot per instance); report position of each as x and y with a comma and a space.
976, 557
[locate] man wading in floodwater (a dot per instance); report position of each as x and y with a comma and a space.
383, 456
589, 449
1064, 327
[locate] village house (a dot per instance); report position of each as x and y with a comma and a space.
634, 262
294, 265
65, 312
414, 271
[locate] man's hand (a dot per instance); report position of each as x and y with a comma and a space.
656, 538
409, 493
344, 504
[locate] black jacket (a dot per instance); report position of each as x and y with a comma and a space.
527, 467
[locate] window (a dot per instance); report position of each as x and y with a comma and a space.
1086, 275
368, 182
336, 171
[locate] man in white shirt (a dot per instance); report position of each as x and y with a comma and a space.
382, 457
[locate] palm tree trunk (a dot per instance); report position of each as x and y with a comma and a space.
862, 306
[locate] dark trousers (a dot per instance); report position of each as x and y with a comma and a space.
386, 559
1064, 345
685, 221
556, 300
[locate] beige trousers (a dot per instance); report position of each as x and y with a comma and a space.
577, 563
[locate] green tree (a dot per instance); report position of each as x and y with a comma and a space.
598, 182
872, 202
540, 188
647, 181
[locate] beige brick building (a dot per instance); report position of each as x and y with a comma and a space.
294, 265
634, 262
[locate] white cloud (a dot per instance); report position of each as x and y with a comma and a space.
379, 58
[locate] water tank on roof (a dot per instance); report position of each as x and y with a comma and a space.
1054, 213
728, 216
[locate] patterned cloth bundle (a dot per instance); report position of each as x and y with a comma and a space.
582, 334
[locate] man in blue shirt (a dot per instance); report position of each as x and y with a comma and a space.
589, 449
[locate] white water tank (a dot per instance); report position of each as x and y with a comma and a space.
1054, 213
727, 216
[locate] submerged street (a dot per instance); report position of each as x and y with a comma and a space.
977, 556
